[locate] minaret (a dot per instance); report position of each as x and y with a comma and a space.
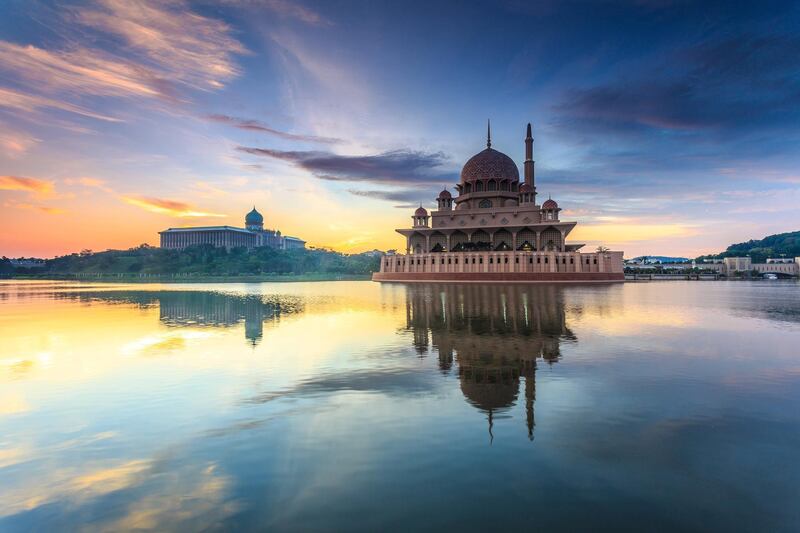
488, 133
529, 162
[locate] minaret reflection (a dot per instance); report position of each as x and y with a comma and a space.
496, 334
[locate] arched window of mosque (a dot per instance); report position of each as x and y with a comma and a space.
492, 185
485, 204
468, 188
479, 186
504, 186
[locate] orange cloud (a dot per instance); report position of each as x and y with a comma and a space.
167, 207
42, 208
89, 182
31, 185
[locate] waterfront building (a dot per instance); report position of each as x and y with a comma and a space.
781, 267
494, 230
253, 235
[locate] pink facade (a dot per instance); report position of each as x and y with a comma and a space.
502, 266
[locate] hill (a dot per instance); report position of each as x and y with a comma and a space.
782, 244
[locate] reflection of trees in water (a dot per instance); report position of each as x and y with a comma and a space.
205, 309
495, 334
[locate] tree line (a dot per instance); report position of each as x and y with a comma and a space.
203, 260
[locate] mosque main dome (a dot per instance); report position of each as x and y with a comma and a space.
253, 218
489, 164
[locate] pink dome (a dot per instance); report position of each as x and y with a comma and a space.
550, 204
421, 212
525, 188
489, 164
445, 194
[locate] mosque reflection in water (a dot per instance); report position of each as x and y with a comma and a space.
494, 334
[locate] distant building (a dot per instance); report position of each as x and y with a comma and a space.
784, 267
374, 253
253, 235
27, 263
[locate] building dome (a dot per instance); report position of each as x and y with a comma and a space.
253, 218
421, 212
445, 194
490, 396
550, 204
489, 164
525, 188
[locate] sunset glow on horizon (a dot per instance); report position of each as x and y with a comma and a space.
658, 133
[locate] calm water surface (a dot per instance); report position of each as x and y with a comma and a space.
363, 407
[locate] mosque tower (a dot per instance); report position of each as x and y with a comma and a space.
529, 171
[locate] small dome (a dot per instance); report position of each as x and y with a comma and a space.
550, 204
421, 212
489, 164
445, 194
253, 218
525, 188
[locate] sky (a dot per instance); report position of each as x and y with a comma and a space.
662, 127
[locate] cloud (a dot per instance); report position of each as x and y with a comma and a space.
31, 185
254, 125
725, 86
48, 210
398, 167
144, 51
80, 71
194, 50
14, 143
409, 197
167, 207
92, 183
285, 8
31, 103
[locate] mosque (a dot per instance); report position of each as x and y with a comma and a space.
494, 230
253, 235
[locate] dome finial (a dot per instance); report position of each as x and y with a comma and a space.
488, 133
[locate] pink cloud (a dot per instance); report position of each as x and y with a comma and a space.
167, 207
31, 185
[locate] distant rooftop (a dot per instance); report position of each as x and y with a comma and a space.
208, 228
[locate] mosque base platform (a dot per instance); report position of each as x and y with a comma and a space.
499, 277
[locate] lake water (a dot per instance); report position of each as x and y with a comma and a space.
357, 406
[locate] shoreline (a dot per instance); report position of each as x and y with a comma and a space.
190, 278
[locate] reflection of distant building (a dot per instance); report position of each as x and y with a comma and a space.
205, 309
253, 235
220, 310
496, 334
